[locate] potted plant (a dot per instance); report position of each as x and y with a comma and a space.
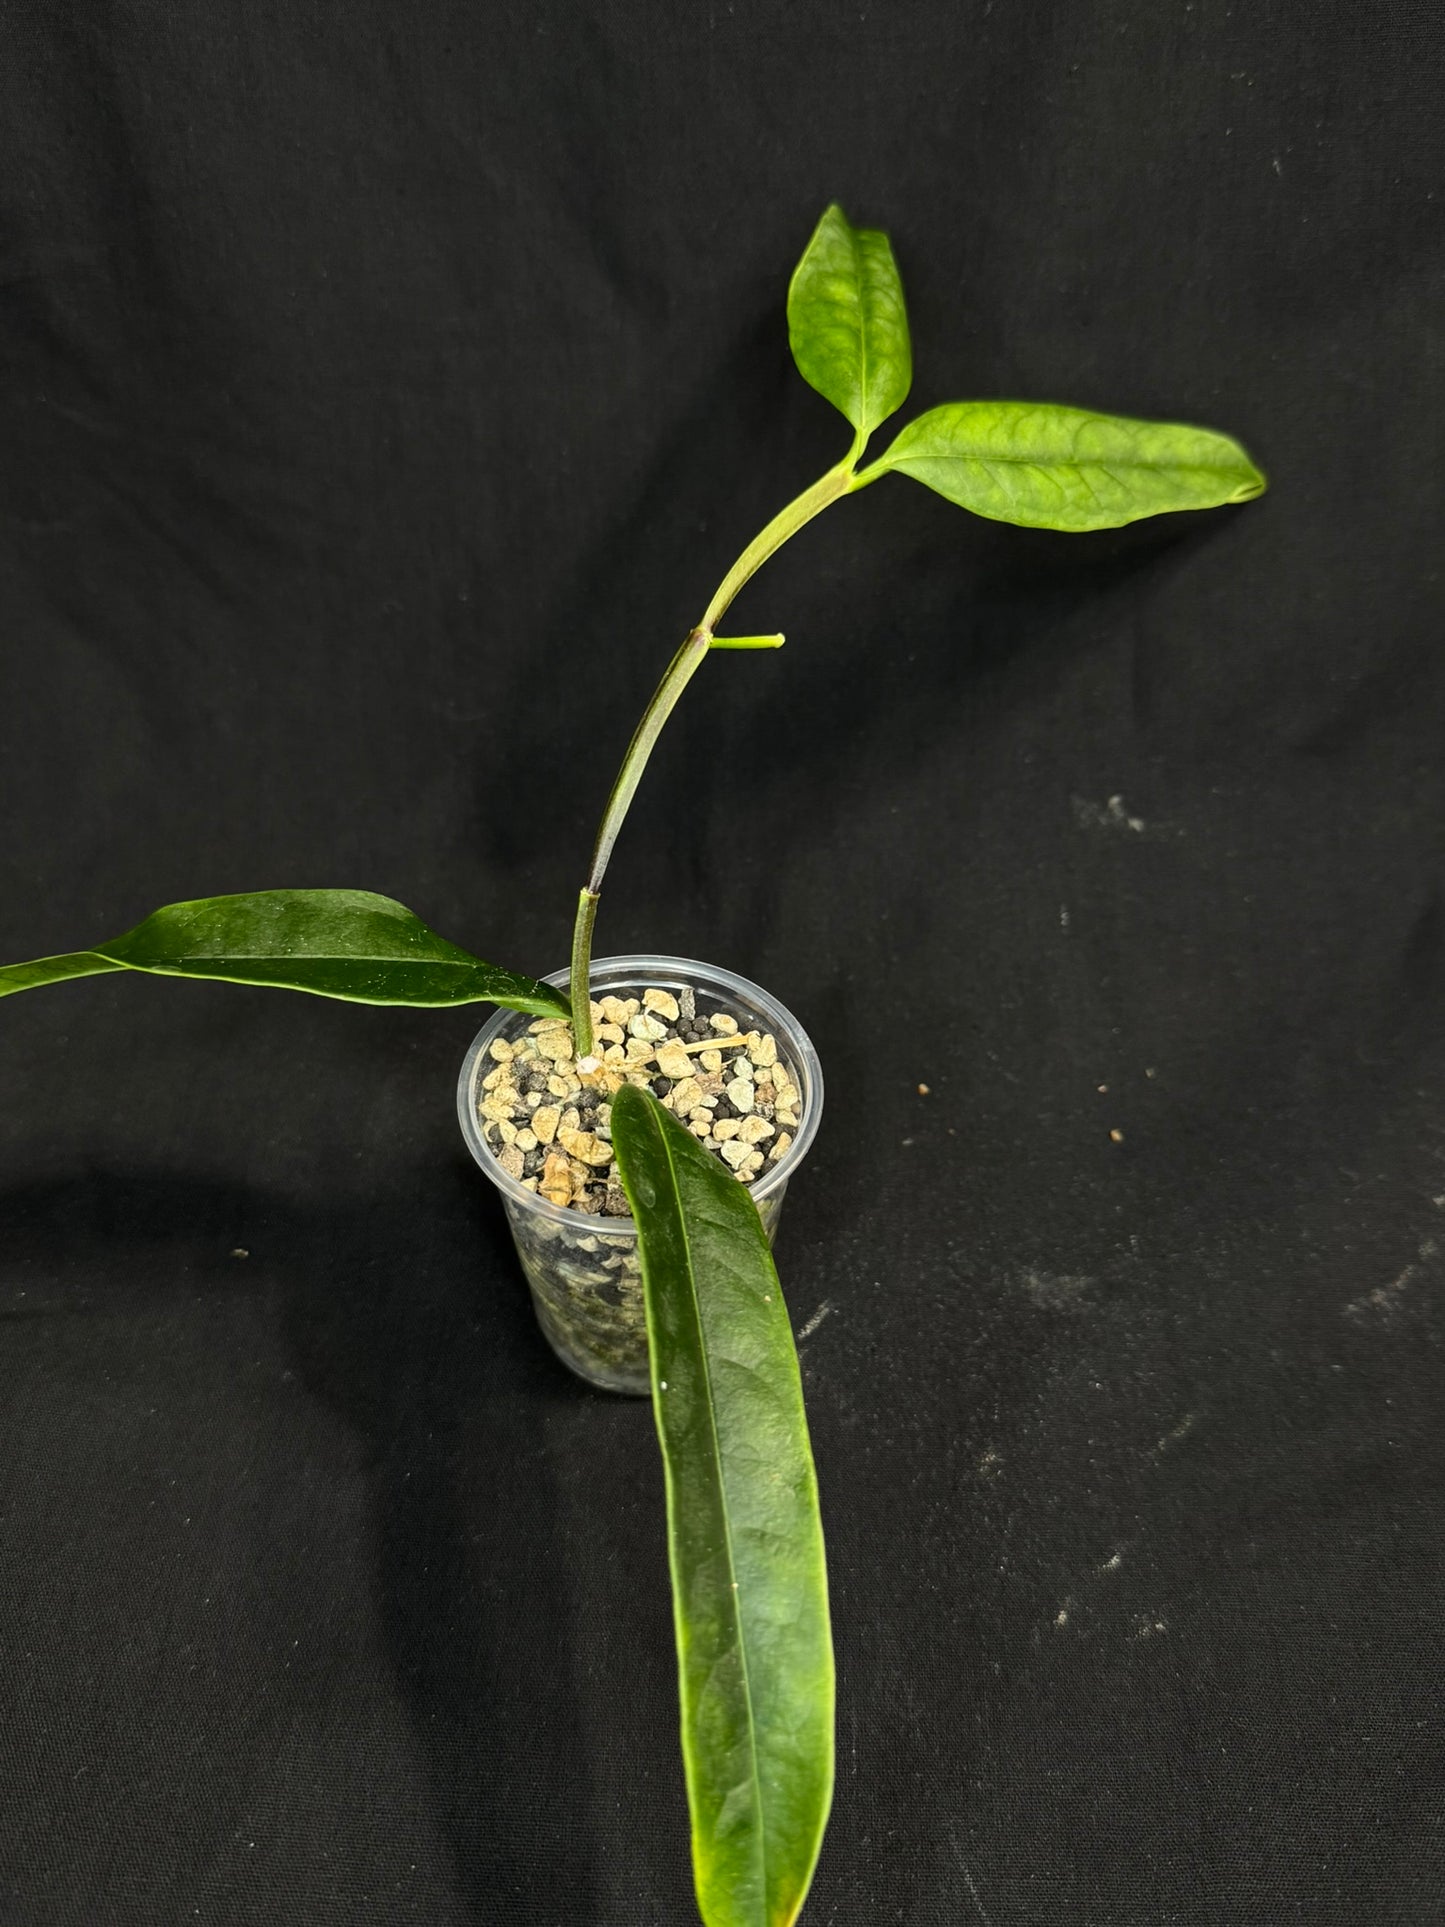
643, 1116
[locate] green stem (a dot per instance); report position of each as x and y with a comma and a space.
680, 672
785, 523
581, 960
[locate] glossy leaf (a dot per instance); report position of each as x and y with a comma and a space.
1049, 467
52, 970
750, 1602
334, 943
847, 323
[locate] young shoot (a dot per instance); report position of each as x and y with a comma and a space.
1034, 463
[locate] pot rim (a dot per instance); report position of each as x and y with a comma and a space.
647, 967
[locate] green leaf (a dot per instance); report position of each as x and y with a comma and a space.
52, 970
847, 325
335, 943
750, 1599
1048, 467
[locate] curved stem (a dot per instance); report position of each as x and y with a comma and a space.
785, 523
680, 672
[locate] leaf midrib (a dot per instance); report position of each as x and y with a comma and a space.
186, 960
856, 243
726, 1518
190, 970
1067, 461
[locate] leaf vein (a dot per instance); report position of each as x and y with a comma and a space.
732, 1567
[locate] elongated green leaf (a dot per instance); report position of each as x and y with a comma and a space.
1049, 467
334, 943
52, 970
847, 325
750, 1600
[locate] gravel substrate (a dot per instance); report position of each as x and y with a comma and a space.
547, 1117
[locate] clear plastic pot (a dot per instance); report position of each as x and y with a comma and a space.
583, 1270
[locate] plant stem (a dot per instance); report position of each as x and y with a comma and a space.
680, 672
785, 523
581, 961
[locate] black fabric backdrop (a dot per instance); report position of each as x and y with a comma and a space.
385, 388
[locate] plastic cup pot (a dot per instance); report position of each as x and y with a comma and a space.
583, 1267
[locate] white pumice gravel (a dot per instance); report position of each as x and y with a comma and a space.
740, 1093
548, 1118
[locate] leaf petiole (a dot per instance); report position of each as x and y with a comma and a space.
865, 477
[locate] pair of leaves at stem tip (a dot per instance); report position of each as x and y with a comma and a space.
1037, 464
